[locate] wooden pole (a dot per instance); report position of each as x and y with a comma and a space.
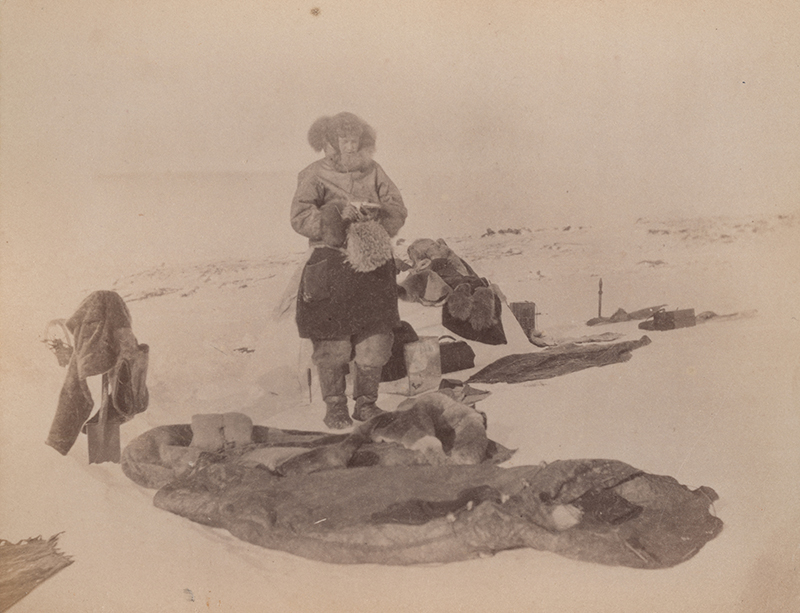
600, 300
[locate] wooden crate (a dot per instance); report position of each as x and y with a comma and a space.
670, 320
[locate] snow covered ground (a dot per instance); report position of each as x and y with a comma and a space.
715, 405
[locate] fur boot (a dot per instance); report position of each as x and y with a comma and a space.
337, 417
365, 391
332, 384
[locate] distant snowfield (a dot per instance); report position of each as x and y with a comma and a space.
717, 404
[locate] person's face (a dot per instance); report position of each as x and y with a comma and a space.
349, 144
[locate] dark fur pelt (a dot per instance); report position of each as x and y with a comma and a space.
368, 246
476, 307
459, 303
483, 315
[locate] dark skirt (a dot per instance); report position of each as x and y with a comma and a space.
335, 301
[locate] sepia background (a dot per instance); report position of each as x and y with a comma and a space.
159, 129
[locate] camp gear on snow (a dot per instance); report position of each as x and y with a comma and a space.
517, 368
395, 368
213, 431
103, 434
462, 392
684, 318
621, 315
425, 287
26, 565
128, 380
104, 343
58, 340
435, 272
706, 316
237, 428
335, 301
399, 438
670, 320
430, 493
455, 355
469, 301
474, 315
429, 514
423, 368
541, 339
207, 431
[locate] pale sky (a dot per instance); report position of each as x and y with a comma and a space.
486, 112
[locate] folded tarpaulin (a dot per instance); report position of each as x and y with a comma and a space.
520, 367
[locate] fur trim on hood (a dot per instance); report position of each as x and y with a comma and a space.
326, 131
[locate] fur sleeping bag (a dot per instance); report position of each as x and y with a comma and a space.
421, 486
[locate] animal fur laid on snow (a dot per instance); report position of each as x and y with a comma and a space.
368, 246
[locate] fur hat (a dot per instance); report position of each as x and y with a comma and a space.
327, 130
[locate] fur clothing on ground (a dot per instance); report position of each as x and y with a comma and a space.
104, 342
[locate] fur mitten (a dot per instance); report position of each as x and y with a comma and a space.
483, 314
459, 302
368, 246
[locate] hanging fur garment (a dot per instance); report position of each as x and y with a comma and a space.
368, 246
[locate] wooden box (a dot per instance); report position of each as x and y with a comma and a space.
670, 320
423, 365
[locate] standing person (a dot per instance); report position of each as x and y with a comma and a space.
348, 208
